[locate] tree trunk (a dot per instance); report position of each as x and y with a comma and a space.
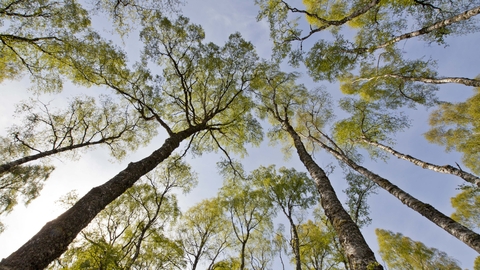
53, 239
296, 242
438, 25
442, 169
461, 232
242, 255
459, 80
359, 254
199, 253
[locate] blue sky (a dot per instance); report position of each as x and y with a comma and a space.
220, 18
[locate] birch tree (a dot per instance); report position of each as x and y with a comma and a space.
204, 232
292, 193
200, 96
281, 99
377, 27
250, 214
371, 126
319, 249
352, 160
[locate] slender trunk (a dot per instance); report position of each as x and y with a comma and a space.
199, 253
141, 238
53, 239
461, 232
442, 169
359, 254
457, 18
459, 80
195, 262
242, 255
296, 243
438, 25
281, 259
218, 251
9, 165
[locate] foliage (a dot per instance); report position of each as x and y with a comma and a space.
250, 214
457, 127
36, 38
204, 233
45, 132
23, 182
358, 191
292, 193
126, 14
54, 40
401, 252
279, 96
318, 250
85, 122
219, 101
288, 189
362, 36
132, 232
396, 82
466, 205
476, 264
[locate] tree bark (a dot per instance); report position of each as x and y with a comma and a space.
359, 254
53, 239
242, 254
461, 232
444, 80
296, 241
457, 18
442, 169
440, 24
199, 252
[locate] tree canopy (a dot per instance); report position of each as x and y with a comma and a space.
344, 86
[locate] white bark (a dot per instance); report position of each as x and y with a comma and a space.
442, 169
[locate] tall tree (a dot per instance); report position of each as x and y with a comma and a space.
201, 96
358, 191
204, 232
291, 192
401, 252
319, 250
281, 99
250, 214
461, 232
